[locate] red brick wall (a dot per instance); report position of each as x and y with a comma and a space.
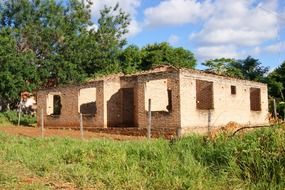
69, 113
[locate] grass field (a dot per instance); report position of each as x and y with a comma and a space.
255, 160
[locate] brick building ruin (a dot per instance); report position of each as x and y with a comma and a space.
183, 100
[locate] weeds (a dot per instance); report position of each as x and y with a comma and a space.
255, 160
11, 117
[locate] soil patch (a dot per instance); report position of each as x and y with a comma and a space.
36, 132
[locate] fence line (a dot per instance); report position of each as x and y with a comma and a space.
149, 120
80, 118
81, 126
42, 123
20, 111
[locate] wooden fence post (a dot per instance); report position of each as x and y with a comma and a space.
209, 121
20, 111
42, 122
149, 120
81, 126
275, 109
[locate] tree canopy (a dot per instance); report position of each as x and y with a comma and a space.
276, 81
17, 70
45, 43
248, 68
134, 58
162, 53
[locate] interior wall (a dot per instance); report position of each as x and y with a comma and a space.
156, 90
87, 101
112, 103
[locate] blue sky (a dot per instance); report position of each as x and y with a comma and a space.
209, 28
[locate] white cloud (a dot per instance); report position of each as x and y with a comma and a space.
134, 28
93, 27
173, 12
237, 28
173, 39
211, 52
239, 23
129, 6
275, 48
256, 51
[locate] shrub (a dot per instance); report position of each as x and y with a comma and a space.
3, 119
12, 117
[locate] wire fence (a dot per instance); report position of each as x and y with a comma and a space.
80, 119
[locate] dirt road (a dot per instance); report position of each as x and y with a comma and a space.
36, 132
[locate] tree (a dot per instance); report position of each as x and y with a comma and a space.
276, 82
18, 71
56, 32
110, 40
130, 59
43, 28
249, 68
163, 53
276, 85
222, 66
52, 38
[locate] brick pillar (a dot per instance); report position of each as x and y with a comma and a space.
99, 117
173, 85
139, 105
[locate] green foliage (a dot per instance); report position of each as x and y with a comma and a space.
3, 119
135, 59
99, 50
252, 161
276, 88
163, 53
46, 43
222, 66
249, 68
17, 70
276, 81
12, 118
32, 36
131, 59
40, 27
281, 109
256, 159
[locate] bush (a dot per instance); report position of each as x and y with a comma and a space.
281, 109
12, 117
3, 119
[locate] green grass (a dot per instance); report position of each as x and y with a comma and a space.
255, 160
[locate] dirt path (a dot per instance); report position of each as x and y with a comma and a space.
36, 132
